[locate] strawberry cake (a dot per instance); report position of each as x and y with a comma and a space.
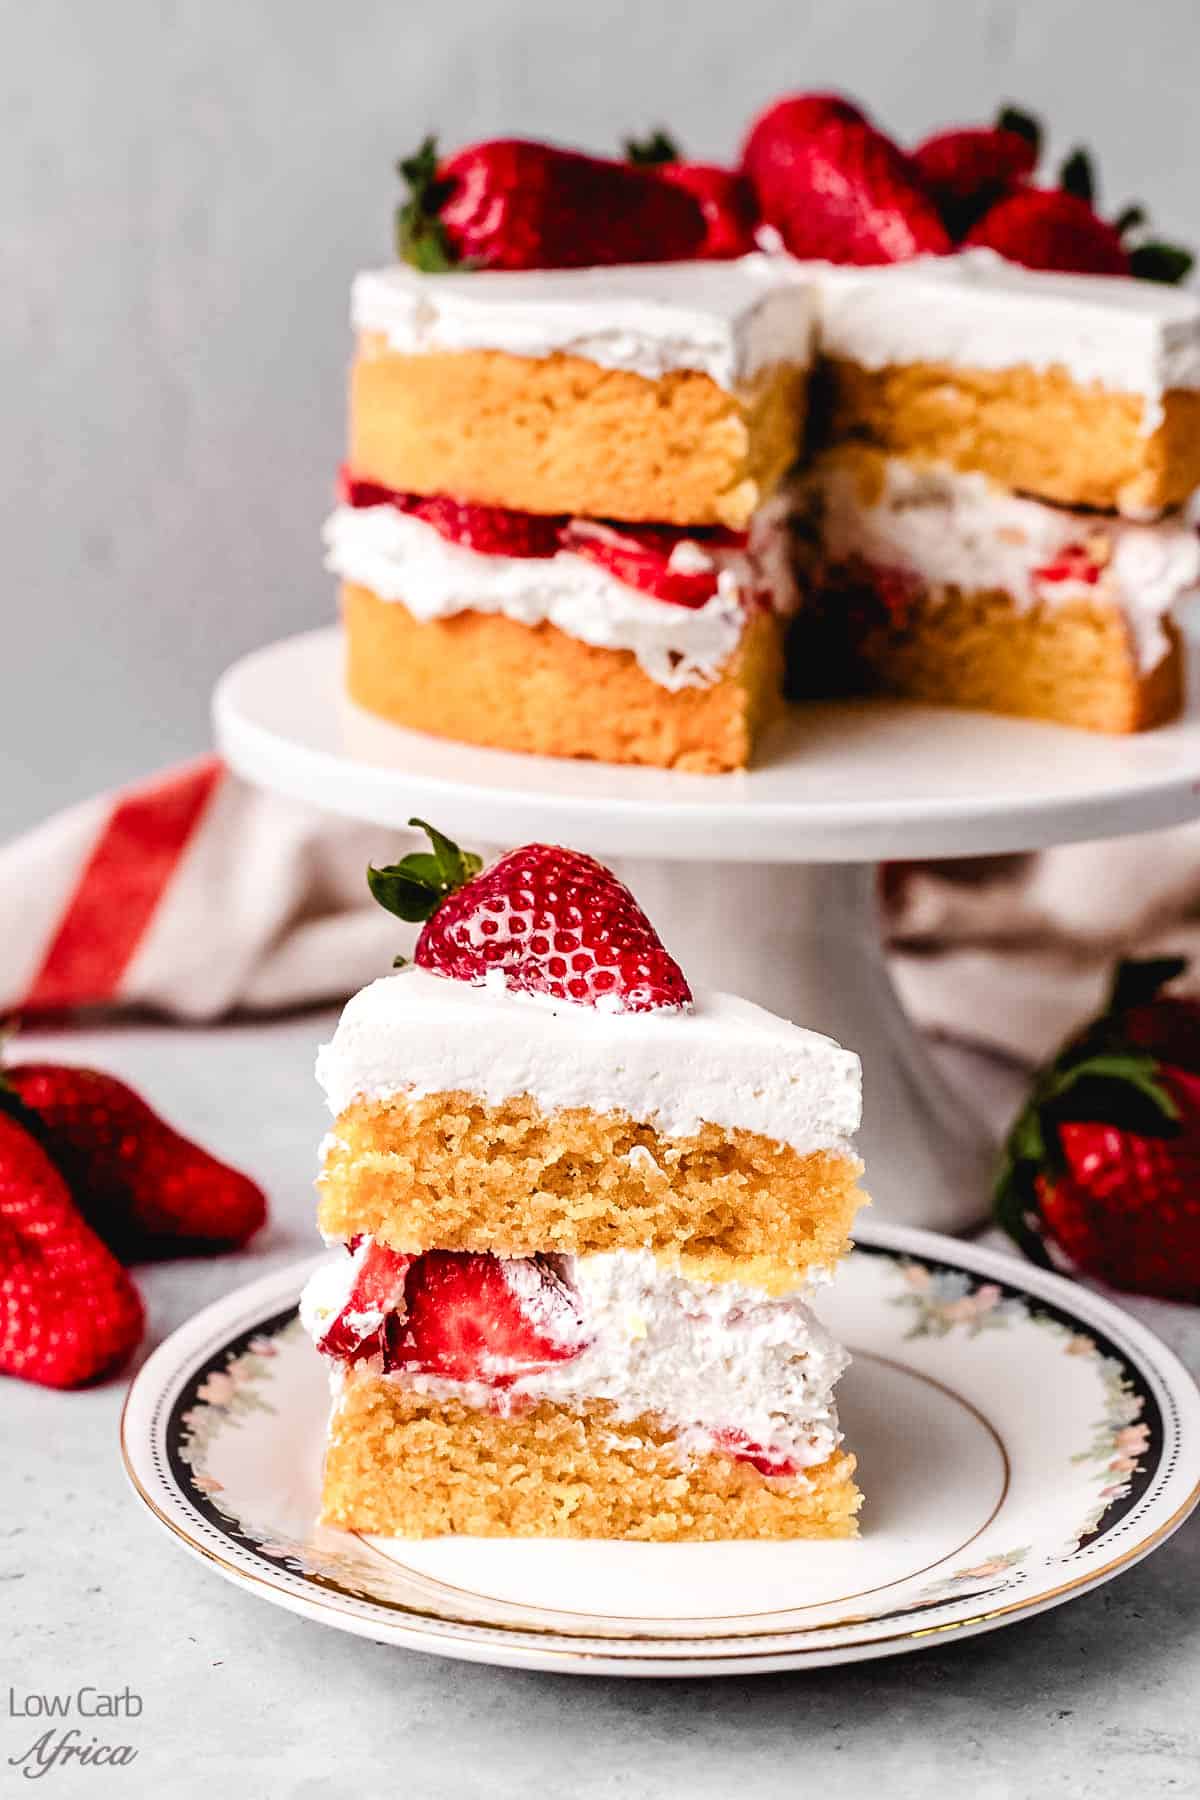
566, 521
558, 528
580, 1211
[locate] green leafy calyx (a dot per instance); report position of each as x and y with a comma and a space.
1023, 124
658, 147
420, 235
415, 887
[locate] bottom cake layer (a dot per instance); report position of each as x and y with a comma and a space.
1072, 664
490, 680
404, 1464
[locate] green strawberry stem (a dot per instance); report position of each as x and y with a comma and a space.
415, 887
1016, 119
658, 147
1077, 176
1097, 1075
420, 235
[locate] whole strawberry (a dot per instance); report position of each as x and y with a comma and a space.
725, 196
852, 196
68, 1311
145, 1189
541, 920
777, 139
967, 170
1104, 1161
511, 203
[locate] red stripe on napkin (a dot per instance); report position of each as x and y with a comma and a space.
120, 887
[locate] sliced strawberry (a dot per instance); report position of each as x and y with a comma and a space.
488, 530
376, 1297
641, 556
1074, 562
486, 1318
744, 1449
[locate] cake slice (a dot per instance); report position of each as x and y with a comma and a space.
583, 1213
927, 582
1080, 389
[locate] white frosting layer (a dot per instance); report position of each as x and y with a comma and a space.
726, 319
977, 311
961, 530
399, 557
726, 1062
707, 1358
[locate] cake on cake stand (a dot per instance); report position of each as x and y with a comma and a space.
762, 883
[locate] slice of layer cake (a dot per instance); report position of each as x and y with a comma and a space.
1081, 389
558, 531
584, 1211
924, 581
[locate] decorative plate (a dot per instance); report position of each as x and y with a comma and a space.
1019, 1441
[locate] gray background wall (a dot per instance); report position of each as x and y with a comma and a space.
185, 191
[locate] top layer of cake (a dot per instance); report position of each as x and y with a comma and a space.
978, 311
725, 320
725, 1063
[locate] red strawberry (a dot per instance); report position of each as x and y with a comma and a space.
725, 196
640, 556
1047, 228
968, 170
544, 919
376, 1297
1104, 1162
488, 530
853, 197
68, 1310
484, 1318
743, 1449
777, 138
510, 203
145, 1189
1074, 562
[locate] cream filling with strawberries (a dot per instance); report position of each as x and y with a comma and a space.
946, 528
403, 558
729, 1368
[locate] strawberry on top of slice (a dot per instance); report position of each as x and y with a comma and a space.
511, 203
540, 920
1103, 1162
968, 168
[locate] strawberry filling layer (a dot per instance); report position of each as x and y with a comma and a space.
731, 1371
677, 564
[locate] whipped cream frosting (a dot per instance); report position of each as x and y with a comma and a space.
960, 530
401, 557
726, 1062
976, 310
728, 320
707, 1358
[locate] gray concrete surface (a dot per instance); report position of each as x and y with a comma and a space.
1092, 1702
185, 191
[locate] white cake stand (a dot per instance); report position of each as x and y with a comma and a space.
764, 882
